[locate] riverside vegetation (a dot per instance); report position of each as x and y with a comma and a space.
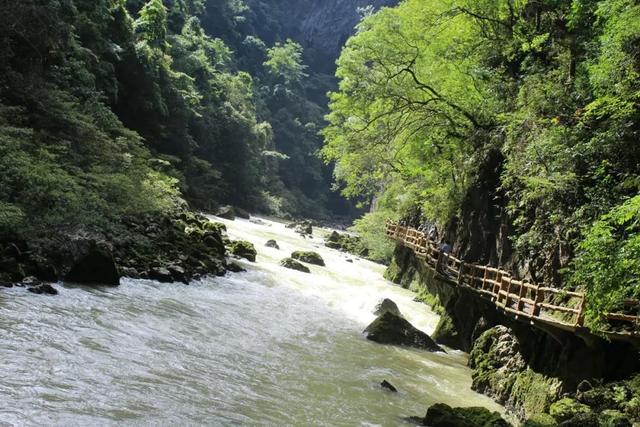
118, 118
513, 127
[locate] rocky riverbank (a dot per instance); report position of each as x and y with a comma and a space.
547, 377
172, 248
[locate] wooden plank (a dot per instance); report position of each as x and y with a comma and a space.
559, 308
622, 317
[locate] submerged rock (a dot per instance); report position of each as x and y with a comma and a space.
294, 265
390, 328
308, 257
388, 386
43, 289
272, 244
386, 305
243, 249
95, 267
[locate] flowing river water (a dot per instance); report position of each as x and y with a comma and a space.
267, 347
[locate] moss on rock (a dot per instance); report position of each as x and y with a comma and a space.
540, 420
442, 415
309, 257
567, 408
292, 264
390, 328
243, 249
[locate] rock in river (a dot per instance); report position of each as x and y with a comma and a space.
390, 328
272, 244
243, 249
226, 212
386, 305
388, 386
308, 257
294, 265
96, 267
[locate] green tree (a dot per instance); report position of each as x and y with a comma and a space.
284, 61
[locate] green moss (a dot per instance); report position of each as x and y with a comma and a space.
243, 249
445, 416
611, 418
308, 257
540, 420
292, 264
533, 392
393, 273
567, 408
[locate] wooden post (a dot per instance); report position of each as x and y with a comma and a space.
508, 296
461, 274
522, 288
538, 299
580, 318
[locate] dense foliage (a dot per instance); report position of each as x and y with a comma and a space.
430, 90
114, 107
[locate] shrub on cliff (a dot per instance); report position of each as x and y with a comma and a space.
607, 265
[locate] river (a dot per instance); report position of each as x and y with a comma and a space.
267, 347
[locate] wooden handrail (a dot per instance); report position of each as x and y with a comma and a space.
519, 297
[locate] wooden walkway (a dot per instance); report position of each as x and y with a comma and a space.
527, 301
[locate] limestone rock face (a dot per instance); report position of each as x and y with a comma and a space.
390, 328
326, 25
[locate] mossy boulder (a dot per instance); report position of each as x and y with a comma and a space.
500, 371
243, 249
390, 328
309, 257
441, 415
292, 264
567, 408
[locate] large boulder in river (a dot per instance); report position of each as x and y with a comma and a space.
95, 267
292, 264
309, 257
390, 328
243, 249
226, 212
386, 305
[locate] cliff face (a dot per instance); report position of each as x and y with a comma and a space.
322, 27
326, 25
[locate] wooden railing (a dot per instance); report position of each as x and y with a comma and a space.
525, 300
